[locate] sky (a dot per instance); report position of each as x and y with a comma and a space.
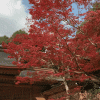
13, 14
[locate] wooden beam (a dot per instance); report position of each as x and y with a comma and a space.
14, 85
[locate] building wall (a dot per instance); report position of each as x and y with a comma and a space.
18, 93
57, 95
14, 93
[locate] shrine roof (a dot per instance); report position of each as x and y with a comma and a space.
50, 77
5, 61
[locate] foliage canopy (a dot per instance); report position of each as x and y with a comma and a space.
73, 59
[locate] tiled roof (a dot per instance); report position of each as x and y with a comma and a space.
24, 74
4, 60
49, 80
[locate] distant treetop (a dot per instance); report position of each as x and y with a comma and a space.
17, 32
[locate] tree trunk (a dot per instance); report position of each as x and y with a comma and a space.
66, 87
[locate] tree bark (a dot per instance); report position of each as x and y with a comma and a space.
66, 87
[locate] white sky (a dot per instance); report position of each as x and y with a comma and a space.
12, 16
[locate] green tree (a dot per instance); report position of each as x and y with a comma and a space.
4, 39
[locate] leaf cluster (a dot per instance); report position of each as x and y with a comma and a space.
16, 33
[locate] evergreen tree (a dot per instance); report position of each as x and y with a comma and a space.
4, 39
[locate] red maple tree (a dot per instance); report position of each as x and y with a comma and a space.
48, 44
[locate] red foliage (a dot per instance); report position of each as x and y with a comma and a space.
73, 56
